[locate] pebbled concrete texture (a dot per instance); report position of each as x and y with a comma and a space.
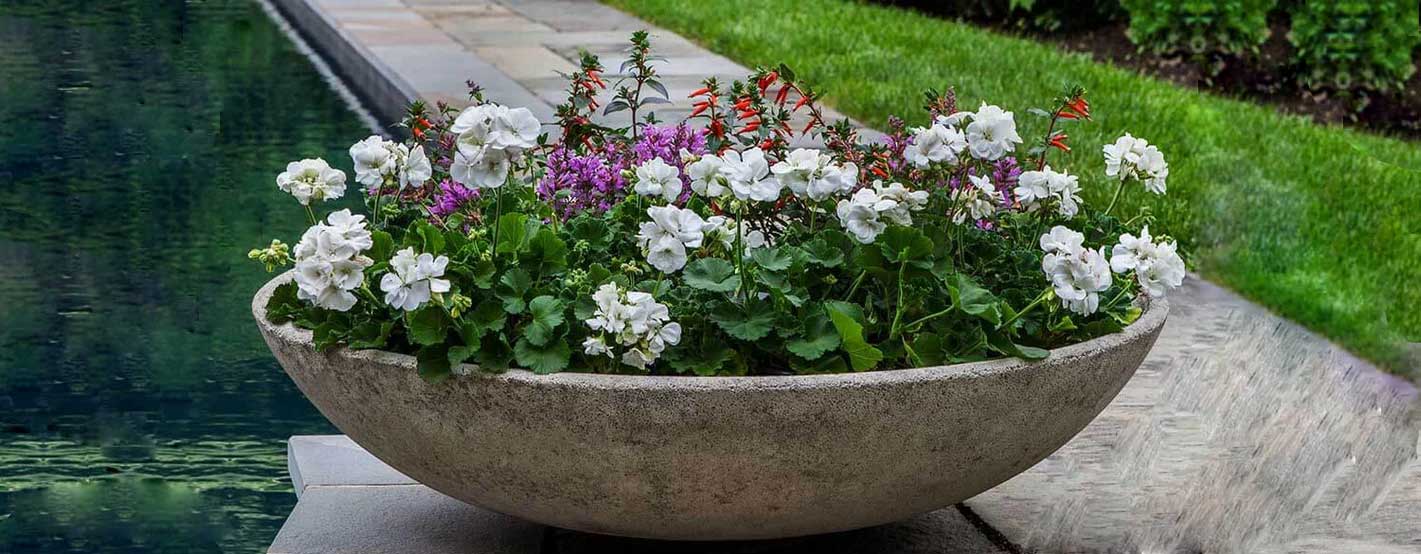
718, 458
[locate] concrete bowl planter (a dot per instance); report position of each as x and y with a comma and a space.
714, 458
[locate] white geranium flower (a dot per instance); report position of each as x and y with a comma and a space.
412, 279
634, 320
904, 201
665, 239
992, 133
1061, 240
658, 178
1032, 187
748, 174
936, 144
374, 160
809, 173
1135, 158
1157, 265
859, 215
706, 177
514, 129
329, 264
487, 169
499, 128
1066, 189
1037, 188
953, 119
977, 201
312, 179
416, 169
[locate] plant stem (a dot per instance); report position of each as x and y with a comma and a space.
1039, 298
855, 287
739, 248
497, 214
930, 317
1115, 198
310, 214
898, 306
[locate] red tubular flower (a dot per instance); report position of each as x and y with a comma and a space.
767, 80
783, 94
809, 126
743, 104
1059, 141
750, 127
699, 108
717, 128
1066, 113
698, 92
767, 144
1079, 106
747, 114
879, 172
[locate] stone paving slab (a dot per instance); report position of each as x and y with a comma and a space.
350, 502
395, 51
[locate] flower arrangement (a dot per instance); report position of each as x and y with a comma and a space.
711, 246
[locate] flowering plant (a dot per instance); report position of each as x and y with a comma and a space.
714, 247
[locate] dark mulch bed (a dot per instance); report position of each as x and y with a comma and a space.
1267, 77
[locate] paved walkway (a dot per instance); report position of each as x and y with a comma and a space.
394, 51
1242, 432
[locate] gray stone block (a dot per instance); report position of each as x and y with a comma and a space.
325, 460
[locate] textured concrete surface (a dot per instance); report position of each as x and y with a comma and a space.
321, 460
357, 509
1241, 432
394, 51
714, 458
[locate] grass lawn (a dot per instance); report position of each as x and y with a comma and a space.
1320, 224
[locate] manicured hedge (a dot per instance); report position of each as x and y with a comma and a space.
1199, 26
1347, 44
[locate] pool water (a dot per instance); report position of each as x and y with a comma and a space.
139, 139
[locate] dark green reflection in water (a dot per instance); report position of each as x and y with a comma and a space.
139, 409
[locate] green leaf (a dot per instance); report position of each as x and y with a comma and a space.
488, 316
483, 274
547, 252
905, 244
370, 335
927, 349
383, 248
750, 323
433, 363
327, 335
820, 337
772, 259
820, 252
460, 354
547, 316
433, 238
512, 233
427, 326
512, 287
972, 299
1064, 324
597, 274
284, 305
548, 358
1002, 343
494, 353
712, 274
862, 355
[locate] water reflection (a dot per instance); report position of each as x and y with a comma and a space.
139, 409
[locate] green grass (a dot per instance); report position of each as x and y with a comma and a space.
1320, 224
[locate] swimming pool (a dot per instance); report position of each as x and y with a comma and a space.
139, 139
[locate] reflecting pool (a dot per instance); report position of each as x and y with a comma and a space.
139, 139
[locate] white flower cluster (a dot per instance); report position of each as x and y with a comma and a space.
633, 320
940, 143
744, 174
979, 201
1035, 188
329, 264
1157, 265
665, 239
656, 178
723, 229
412, 279
813, 174
991, 134
489, 137
311, 179
863, 214
380, 162
1136, 158
1078, 274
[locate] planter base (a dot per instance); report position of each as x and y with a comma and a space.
352, 502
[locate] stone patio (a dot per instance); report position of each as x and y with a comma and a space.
1242, 432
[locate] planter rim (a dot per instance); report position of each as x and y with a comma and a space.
1153, 317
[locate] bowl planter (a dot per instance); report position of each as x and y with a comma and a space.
714, 458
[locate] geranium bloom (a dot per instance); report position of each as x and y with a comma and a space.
1136, 158
487, 168
412, 279
634, 320
904, 201
1035, 188
374, 160
936, 144
723, 229
1077, 274
706, 177
658, 178
859, 214
499, 128
977, 201
992, 133
329, 264
416, 169
748, 174
1157, 265
666, 237
812, 174
312, 179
